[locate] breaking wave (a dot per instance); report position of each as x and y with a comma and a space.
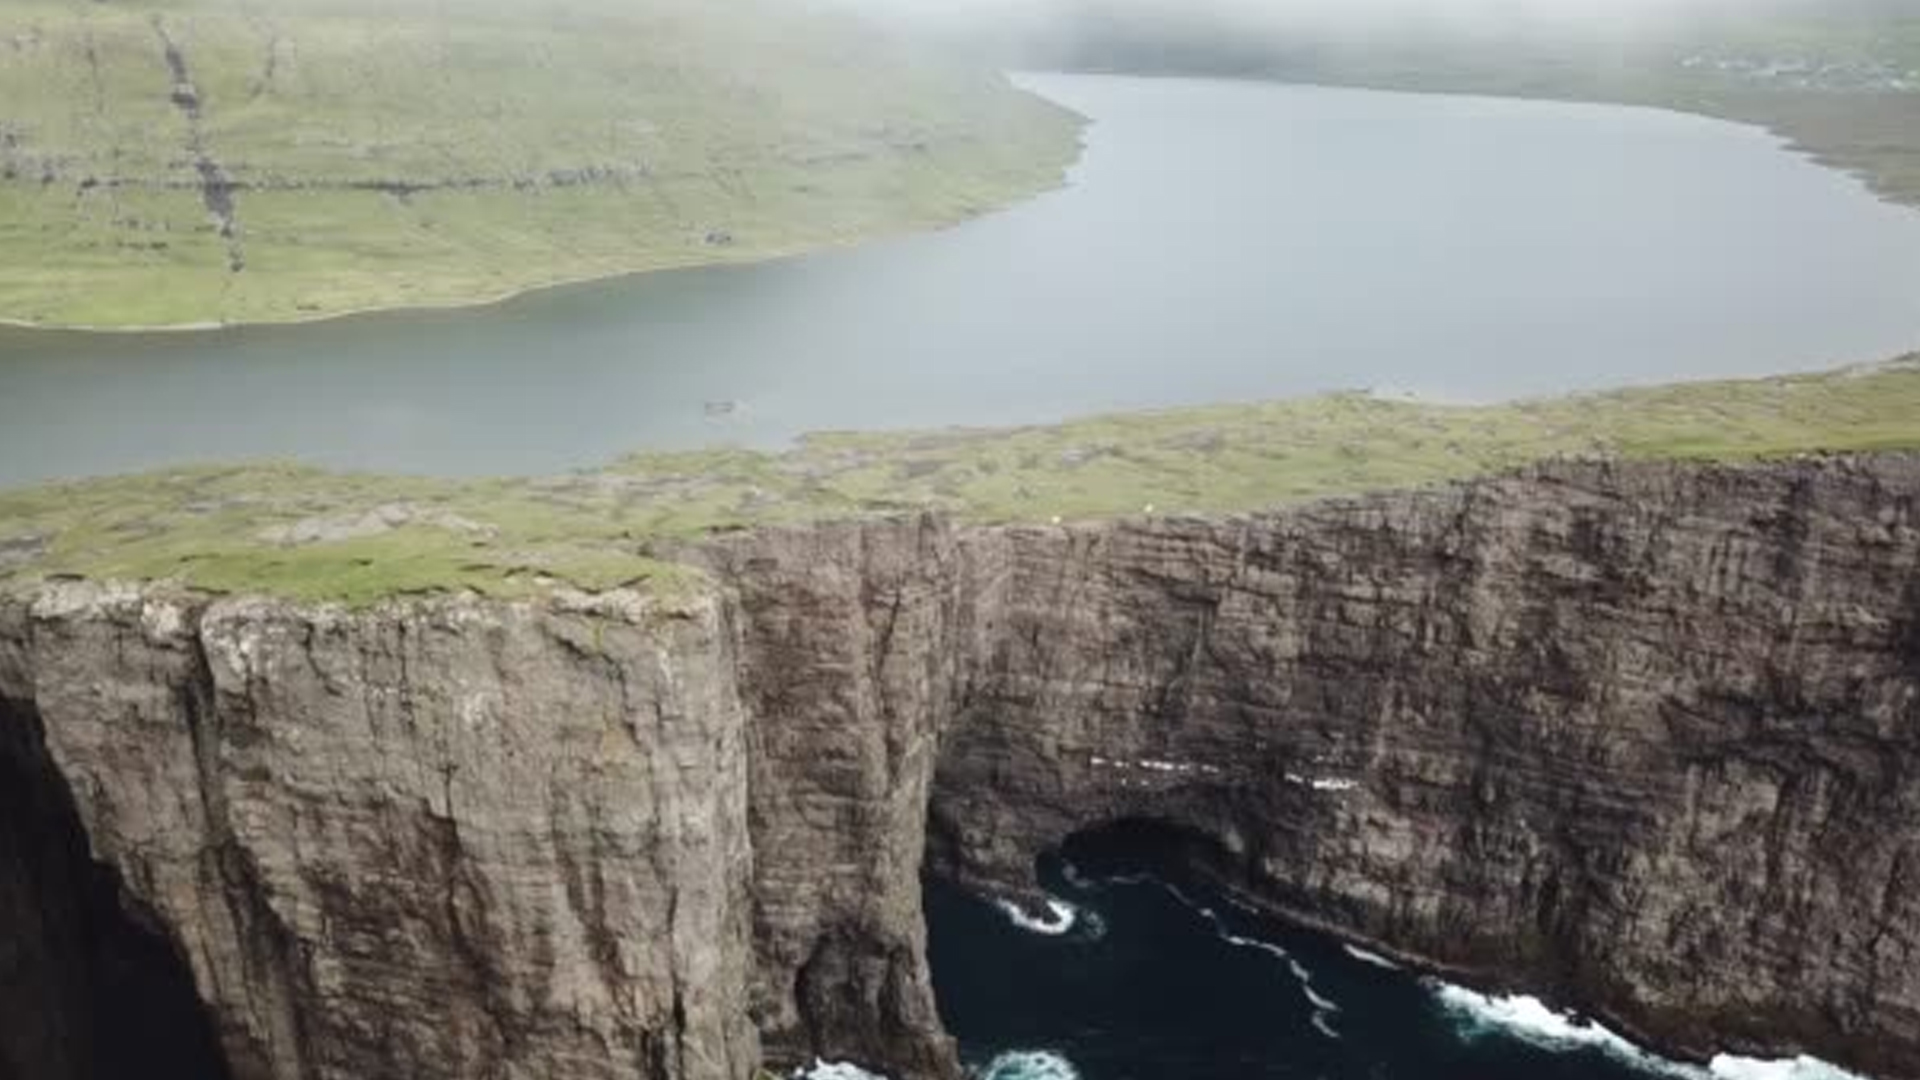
1028, 1065
1011, 1065
1374, 959
1533, 1021
835, 1070
1059, 919
1728, 1067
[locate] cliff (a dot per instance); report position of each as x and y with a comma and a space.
1642, 738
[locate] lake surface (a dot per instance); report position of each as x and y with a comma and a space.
1152, 977
1220, 241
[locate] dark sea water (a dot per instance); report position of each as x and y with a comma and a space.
1220, 241
1154, 981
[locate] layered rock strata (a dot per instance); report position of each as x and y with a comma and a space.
1645, 739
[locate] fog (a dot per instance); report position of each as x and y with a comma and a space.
1251, 21
1337, 13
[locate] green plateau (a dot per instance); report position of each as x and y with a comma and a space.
358, 539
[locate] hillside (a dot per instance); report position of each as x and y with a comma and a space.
168, 162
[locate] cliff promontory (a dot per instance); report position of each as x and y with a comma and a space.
1642, 738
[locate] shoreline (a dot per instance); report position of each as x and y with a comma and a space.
770, 256
1059, 180
1786, 142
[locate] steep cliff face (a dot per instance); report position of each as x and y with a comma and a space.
1646, 738
850, 649
461, 841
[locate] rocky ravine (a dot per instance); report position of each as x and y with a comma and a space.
1645, 738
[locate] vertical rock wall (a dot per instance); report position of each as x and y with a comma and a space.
1646, 739
454, 840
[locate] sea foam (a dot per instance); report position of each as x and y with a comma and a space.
1533, 1021
1029, 1065
1323, 1006
1728, 1067
1374, 959
835, 1070
1060, 917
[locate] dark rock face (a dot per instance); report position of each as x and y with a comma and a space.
89, 987
450, 840
849, 651
1645, 739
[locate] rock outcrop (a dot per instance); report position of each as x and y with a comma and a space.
1643, 738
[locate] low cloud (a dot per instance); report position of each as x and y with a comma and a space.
1325, 16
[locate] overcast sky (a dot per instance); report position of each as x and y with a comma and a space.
1322, 14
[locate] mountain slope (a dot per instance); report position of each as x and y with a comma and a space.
189, 161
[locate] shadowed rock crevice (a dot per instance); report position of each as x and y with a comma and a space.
91, 987
1152, 844
216, 186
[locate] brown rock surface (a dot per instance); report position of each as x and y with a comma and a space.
1646, 739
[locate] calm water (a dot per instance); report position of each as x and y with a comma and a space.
1171, 982
1220, 241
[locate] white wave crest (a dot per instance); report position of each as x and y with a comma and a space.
1059, 919
835, 1070
1267, 947
1366, 957
1321, 1003
1029, 1065
1728, 1067
1323, 1007
1533, 1021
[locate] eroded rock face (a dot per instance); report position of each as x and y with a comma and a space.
1643, 738
1648, 738
463, 841
850, 646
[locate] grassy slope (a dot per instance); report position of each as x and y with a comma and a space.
357, 539
447, 151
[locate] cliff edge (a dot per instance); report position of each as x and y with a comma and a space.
1642, 738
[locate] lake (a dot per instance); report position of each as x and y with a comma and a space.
1220, 241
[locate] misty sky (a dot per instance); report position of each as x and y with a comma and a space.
1323, 14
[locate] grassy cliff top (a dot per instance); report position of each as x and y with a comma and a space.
168, 162
357, 539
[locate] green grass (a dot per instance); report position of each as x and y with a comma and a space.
418, 153
358, 539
